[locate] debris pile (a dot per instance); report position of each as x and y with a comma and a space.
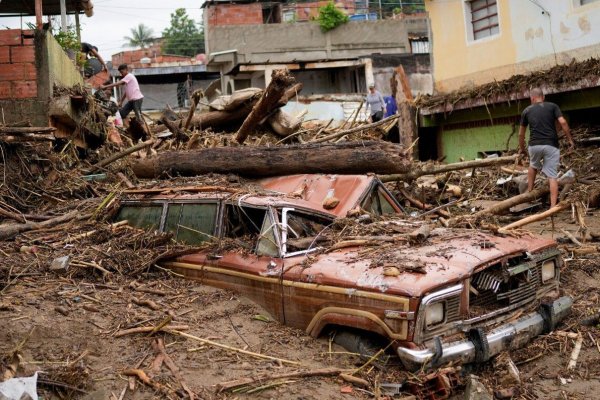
98, 284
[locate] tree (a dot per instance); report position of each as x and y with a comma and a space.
183, 37
331, 17
141, 36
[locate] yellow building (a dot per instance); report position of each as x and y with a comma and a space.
479, 41
495, 51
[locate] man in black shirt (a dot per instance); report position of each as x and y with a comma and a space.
542, 118
92, 51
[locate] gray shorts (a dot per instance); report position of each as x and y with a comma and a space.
546, 158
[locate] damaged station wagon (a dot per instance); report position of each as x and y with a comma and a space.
473, 295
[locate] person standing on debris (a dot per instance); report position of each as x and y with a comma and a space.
132, 93
375, 103
542, 117
92, 51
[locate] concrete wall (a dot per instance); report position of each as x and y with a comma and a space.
297, 42
325, 81
531, 37
61, 69
416, 66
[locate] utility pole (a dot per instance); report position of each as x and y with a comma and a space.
63, 16
380, 11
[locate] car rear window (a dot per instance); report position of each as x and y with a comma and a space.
191, 223
144, 217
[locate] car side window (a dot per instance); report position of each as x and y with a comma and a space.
191, 223
267, 242
377, 203
141, 216
253, 227
384, 203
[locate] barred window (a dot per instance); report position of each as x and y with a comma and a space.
484, 18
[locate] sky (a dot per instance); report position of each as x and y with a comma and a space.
113, 19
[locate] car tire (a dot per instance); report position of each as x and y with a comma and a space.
365, 344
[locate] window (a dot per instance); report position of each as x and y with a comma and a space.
377, 203
419, 45
191, 223
143, 217
484, 18
267, 242
301, 232
252, 228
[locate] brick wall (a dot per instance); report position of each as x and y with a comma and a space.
234, 14
133, 56
18, 75
308, 11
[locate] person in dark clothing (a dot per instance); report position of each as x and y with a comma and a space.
92, 51
542, 117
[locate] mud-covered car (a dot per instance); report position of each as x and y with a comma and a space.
472, 296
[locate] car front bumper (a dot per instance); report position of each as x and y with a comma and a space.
481, 345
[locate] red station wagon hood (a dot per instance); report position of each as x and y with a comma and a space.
447, 257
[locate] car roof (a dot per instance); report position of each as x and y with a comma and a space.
310, 190
306, 191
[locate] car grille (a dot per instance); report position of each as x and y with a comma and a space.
453, 309
493, 290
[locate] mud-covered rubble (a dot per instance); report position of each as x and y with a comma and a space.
67, 290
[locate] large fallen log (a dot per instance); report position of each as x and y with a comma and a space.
269, 101
432, 169
333, 158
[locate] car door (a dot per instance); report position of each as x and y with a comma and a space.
251, 265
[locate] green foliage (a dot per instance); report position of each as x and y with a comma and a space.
141, 36
68, 39
331, 17
183, 37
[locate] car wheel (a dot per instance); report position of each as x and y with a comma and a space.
363, 343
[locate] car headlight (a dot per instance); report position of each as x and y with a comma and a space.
548, 270
434, 314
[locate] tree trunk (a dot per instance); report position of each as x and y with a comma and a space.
280, 80
217, 120
407, 126
432, 169
533, 218
338, 158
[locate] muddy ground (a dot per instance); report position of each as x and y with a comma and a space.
69, 326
